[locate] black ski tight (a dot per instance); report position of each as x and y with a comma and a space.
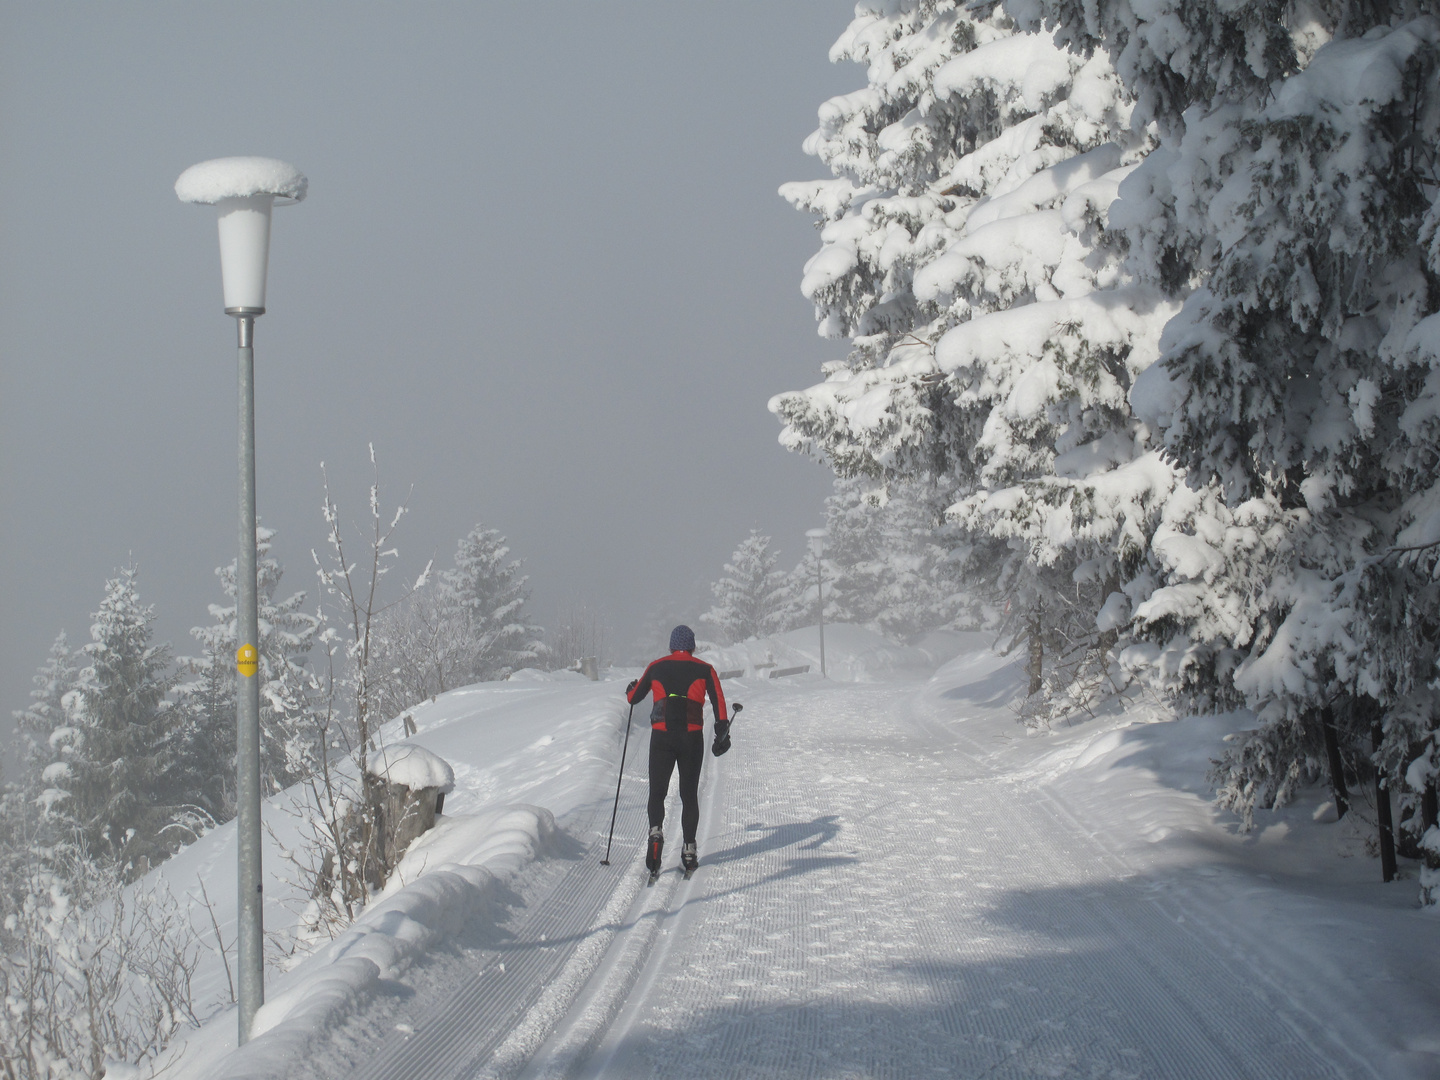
667, 750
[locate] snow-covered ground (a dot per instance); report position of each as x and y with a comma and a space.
524, 752
896, 880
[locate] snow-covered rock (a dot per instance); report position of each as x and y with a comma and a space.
411, 766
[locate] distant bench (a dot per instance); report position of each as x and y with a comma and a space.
780, 673
731, 674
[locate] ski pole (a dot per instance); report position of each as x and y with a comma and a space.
721, 744
606, 860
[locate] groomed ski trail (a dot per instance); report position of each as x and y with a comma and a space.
881, 893
873, 901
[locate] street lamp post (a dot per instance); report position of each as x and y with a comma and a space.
817, 538
244, 190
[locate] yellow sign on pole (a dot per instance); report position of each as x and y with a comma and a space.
247, 660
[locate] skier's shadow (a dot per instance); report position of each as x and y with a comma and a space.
806, 835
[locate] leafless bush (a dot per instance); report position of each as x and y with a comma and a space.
419, 651
580, 632
337, 861
90, 971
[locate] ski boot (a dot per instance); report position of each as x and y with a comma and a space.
689, 859
653, 847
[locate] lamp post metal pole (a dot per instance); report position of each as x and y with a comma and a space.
247, 704
245, 190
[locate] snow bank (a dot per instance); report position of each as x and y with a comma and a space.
448, 879
240, 177
411, 766
509, 750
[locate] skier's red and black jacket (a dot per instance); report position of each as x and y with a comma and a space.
678, 684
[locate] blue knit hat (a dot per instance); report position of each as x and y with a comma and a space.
682, 639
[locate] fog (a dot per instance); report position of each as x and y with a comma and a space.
543, 268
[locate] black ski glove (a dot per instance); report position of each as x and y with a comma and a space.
722, 739
631, 688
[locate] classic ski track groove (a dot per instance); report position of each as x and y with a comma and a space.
618, 1003
604, 1008
459, 1035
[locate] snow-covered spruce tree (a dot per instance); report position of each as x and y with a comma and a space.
125, 724
1291, 203
752, 597
854, 555
1192, 617
47, 731
1296, 378
967, 254
206, 743
888, 562
489, 594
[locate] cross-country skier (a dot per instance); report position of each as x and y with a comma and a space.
678, 685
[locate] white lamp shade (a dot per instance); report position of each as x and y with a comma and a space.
817, 538
244, 190
244, 251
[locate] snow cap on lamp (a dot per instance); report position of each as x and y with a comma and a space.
243, 190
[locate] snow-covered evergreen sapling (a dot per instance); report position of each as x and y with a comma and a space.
995, 329
752, 596
487, 589
47, 733
206, 773
125, 742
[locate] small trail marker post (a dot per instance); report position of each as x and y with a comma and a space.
817, 538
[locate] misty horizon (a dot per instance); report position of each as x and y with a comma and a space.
555, 290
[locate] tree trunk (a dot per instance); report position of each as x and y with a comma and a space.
1382, 808
1337, 766
1034, 667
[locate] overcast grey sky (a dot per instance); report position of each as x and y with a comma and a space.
543, 267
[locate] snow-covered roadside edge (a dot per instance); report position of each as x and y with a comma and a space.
449, 878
